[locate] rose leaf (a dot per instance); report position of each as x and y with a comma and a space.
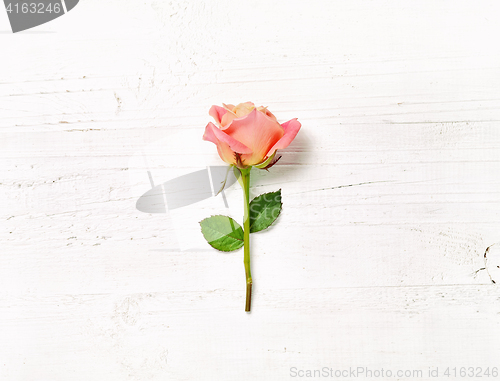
222, 233
264, 210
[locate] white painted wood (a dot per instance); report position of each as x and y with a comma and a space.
391, 190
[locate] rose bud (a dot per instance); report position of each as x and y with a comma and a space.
247, 136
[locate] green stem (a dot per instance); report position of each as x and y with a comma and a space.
245, 184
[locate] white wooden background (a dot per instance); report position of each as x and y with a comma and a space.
391, 190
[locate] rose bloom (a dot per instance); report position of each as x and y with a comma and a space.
246, 135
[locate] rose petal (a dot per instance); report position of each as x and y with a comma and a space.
256, 131
226, 153
215, 135
291, 128
243, 109
224, 150
267, 112
227, 119
217, 113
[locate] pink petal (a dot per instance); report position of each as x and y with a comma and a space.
291, 128
215, 135
229, 106
258, 132
267, 112
225, 152
217, 113
227, 119
209, 135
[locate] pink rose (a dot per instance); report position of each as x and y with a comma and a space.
246, 135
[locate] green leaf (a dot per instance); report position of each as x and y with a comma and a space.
264, 210
222, 233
